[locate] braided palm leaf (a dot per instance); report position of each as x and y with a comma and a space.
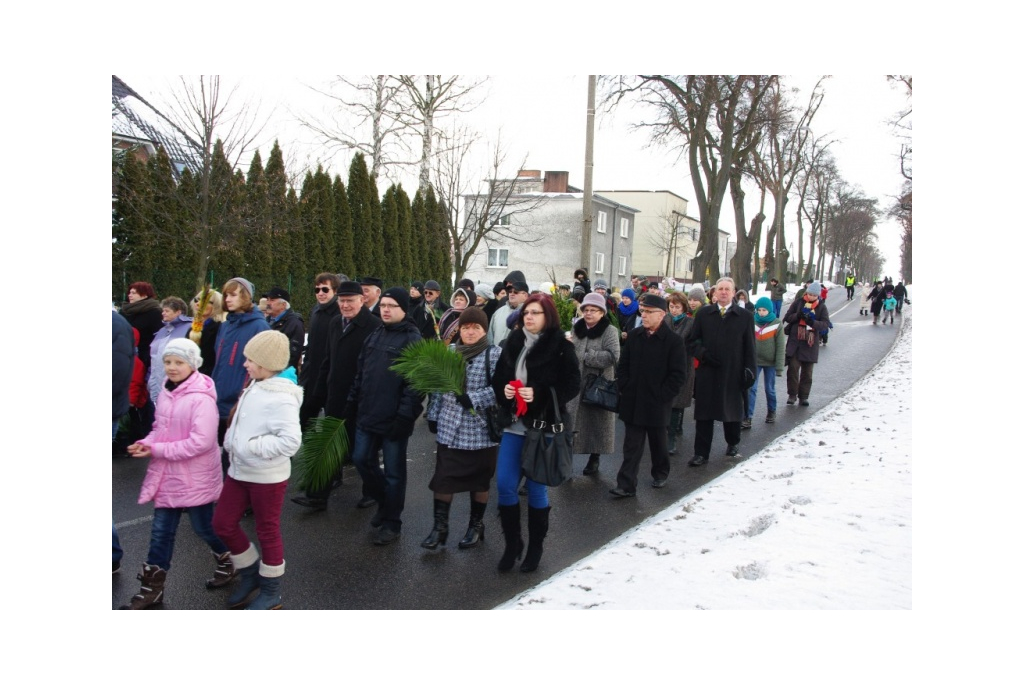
323, 451
429, 366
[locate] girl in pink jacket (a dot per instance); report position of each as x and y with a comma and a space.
184, 470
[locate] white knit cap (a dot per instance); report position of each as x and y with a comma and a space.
185, 349
269, 349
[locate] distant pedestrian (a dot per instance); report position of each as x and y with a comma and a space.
806, 319
770, 345
889, 305
776, 292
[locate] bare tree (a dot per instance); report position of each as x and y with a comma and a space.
780, 158
474, 218
903, 208
370, 100
665, 241
422, 101
711, 118
814, 184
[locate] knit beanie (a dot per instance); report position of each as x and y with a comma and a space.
247, 285
630, 293
269, 349
814, 289
697, 293
400, 295
765, 303
184, 349
471, 315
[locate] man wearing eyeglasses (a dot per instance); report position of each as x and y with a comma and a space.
722, 340
505, 318
325, 289
651, 370
384, 409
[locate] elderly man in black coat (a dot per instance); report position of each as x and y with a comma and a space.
651, 370
722, 340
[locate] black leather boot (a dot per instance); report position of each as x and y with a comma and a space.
593, 465
475, 532
537, 525
439, 535
511, 528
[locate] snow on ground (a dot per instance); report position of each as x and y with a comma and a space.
819, 519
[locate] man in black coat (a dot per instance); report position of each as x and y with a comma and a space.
325, 289
283, 318
652, 369
384, 407
722, 340
338, 370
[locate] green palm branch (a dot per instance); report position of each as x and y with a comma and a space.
429, 366
323, 451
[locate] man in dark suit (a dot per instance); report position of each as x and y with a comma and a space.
651, 371
722, 340
345, 339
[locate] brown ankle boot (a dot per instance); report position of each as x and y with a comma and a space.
223, 574
152, 590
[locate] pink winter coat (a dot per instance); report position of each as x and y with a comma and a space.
185, 468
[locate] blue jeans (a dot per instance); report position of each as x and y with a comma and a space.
117, 552
769, 389
387, 486
510, 468
778, 307
165, 526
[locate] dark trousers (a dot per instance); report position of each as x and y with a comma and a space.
799, 377
849, 292
706, 434
633, 451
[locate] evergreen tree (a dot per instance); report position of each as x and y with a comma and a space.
173, 247
365, 209
390, 269
343, 238
279, 221
420, 270
132, 254
223, 218
407, 238
256, 233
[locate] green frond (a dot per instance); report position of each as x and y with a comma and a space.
429, 366
323, 451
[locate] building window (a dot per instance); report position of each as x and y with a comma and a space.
602, 222
599, 263
689, 265
624, 228
504, 220
497, 256
622, 265
679, 264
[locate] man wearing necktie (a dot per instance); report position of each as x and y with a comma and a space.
722, 340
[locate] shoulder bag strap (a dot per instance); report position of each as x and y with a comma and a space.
558, 414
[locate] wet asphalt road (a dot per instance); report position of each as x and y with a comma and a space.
332, 564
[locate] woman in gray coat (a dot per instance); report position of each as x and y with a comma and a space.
597, 348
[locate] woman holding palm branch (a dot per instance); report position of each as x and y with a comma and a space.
466, 456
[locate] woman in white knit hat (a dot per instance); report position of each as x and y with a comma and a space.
262, 436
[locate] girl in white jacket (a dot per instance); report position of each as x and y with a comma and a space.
262, 436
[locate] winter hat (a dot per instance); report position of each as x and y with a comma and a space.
498, 287
630, 293
600, 283
764, 303
814, 289
277, 292
185, 349
514, 277
653, 301
697, 293
467, 284
269, 349
578, 290
471, 315
245, 284
595, 300
399, 295
350, 288
371, 280
432, 285
521, 287
418, 285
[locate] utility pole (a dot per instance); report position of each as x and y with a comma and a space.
588, 177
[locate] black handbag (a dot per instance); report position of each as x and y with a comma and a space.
497, 418
600, 392
547, 450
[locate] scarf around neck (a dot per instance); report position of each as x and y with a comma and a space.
531, 340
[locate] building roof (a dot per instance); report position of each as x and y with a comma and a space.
134, 118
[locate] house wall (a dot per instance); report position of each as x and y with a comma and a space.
660, 211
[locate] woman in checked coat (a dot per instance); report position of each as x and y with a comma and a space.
597, 348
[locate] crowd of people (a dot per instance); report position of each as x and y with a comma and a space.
217, 401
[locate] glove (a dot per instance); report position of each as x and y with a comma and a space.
400, 429
748, 379
808, 315
432, 425
709, 360
464, 400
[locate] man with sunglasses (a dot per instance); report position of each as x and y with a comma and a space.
325, 289
506, 318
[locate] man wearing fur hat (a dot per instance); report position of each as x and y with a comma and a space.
722, 340
650, 373
384, 408
283, 318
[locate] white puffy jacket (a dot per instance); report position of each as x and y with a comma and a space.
265, 432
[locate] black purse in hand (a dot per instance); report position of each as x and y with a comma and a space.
547, 454
600, 392
497, 417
